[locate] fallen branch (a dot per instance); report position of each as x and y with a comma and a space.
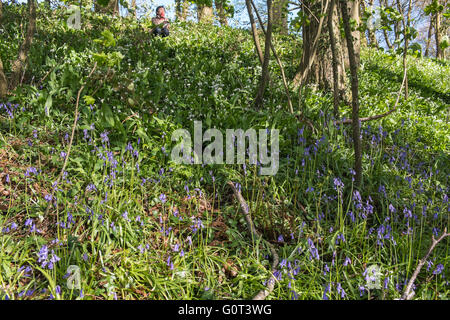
261, 295
408, 294
71, 138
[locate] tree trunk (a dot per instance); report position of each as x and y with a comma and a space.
19, 64
3, 81
265, 67
133, 6
317, 59
355, 94
221, 12
274, 52
354, 14
430, 32
385, 33
182, 7
280, 11
254, 31
111, 8
437, 33
205, 14
371, 33
405, 52
337, 65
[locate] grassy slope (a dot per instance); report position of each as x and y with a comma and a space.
112, 220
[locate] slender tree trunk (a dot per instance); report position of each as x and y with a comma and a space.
397, 24
385, 33
279, 23
3, 81
221, 12
437, 33
336, 98
405, 52
19, 65
373, 42
283, 75
355, 94
362, 9
265, 67
133, 6
386, 38
254, 31
430, 32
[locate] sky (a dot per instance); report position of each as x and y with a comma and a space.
147, 8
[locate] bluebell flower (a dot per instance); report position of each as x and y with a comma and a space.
347, 261
439, 269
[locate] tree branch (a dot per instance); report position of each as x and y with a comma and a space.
408, 294
263, 294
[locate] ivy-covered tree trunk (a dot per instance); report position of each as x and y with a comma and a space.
221, 12
280, 12
19, 64
111, 8
181, 11
371, 32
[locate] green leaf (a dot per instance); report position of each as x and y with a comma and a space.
103, 3
89, 100
108, 115
48, 104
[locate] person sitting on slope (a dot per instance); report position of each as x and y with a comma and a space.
161, 22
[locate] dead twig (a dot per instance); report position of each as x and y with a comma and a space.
408, 294
261, 295
71, 138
